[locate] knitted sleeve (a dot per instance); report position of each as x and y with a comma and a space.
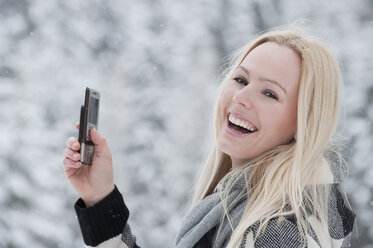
104, 225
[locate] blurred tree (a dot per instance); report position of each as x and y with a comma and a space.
157, 65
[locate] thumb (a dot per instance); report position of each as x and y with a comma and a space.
96, 138
101, 147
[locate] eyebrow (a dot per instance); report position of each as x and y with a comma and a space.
263, 79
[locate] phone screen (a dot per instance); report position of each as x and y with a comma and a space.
93, 115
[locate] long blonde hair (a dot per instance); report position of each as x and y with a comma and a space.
283, 181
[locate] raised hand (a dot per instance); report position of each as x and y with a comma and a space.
92, 183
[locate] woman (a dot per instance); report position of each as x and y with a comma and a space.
267, 181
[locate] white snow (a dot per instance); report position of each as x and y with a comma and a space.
157, 65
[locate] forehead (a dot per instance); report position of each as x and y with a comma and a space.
275, 62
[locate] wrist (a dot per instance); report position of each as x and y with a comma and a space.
99, 196
103, 221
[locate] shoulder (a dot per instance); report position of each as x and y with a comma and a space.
340, 212
285, 233
341, 217
340, 222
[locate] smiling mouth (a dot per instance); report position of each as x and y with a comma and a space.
240, 126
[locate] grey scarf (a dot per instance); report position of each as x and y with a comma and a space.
209, 213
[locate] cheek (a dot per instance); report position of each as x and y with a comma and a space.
280, 123
288, 126
291, 120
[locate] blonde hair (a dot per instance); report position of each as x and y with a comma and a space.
283, 181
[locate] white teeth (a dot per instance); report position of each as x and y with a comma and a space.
241, 123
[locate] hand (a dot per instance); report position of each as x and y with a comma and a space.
92, 183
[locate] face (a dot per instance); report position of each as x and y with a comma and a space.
258, 106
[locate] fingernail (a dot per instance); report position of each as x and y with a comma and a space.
75, 155
75, 145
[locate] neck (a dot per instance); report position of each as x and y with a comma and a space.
237, 163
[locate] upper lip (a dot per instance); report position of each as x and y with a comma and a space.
239, 116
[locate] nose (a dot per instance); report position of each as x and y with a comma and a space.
243, 97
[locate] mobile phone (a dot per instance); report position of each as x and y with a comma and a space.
88, 120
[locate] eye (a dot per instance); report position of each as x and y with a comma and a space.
240, 80
271, 95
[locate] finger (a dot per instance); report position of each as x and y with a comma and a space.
69, 171
73, 143
68, 163
77, 125
71, 154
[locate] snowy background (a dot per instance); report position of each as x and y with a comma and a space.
157, 64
